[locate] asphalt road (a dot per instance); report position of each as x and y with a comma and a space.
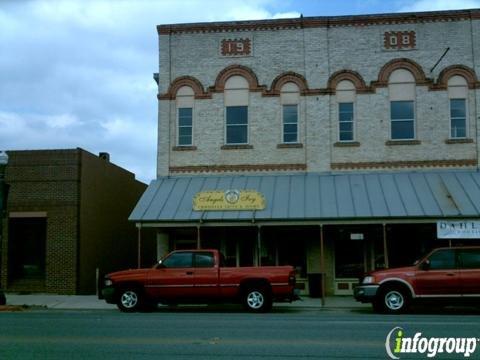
220, 333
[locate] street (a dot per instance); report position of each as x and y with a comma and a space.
220, 332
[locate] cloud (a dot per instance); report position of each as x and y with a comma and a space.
78, 73
434, 5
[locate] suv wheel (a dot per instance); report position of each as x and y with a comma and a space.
257, 300
129, 300
392, 300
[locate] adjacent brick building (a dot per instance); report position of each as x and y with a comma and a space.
66, 217
320, 115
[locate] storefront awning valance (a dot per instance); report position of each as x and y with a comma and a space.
441, 194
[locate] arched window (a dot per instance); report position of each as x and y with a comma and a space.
185, 101
289, 98
401, 89
457, 94
236, 110
345, 93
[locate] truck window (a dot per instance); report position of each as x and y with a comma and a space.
442, 259
204, 260
470, 259
179, 260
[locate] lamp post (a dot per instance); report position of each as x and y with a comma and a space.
3, 207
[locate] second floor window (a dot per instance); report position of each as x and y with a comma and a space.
290, 123
237, 125
458, 93
236, 110
458, 119
345, 118
185, 103
401, 89
403, 120
185, 126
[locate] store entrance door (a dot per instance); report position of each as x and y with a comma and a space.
357, 250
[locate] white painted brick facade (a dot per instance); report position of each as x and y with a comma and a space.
317, 53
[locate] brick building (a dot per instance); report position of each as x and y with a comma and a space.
359, 132
66, 216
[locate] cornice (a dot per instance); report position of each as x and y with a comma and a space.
321, 22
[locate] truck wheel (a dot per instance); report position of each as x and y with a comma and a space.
257, 300
129, 300
392, 300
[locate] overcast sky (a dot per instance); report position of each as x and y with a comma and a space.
78, 73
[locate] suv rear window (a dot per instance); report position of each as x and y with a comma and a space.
469, 258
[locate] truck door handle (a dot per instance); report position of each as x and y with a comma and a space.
189, 273
450, 274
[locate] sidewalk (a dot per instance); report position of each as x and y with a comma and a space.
91, 302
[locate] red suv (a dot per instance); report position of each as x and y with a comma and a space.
446, 274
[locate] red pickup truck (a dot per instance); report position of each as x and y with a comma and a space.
445, 276
199, 277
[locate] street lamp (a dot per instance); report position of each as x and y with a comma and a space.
3, 206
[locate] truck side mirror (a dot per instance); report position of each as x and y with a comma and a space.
160, 265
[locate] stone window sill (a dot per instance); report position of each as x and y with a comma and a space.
184, 148
459, 141
346, 144
402, 142
236, 147
290, 146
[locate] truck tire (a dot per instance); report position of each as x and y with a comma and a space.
130, 299
257, 299
392, 300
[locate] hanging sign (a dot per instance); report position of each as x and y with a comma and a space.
458, 229
219, 200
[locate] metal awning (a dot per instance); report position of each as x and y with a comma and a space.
297, 197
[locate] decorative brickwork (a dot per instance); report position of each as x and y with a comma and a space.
460, 70
233, 70
350, 75
237, 168
236, 47
402, 63
322, 22
404, 164
397, 40
190, 81
286, 77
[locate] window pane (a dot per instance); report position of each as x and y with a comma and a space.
442, 259
290, 114
290, 128
179, 260
457, 108
204, 260
402, 130
184, 140
346, 135
458, 129
185, 117
185, 131
237, 115
401, 110
470, 259
237, 134
345, 116
289, 137
345, 108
